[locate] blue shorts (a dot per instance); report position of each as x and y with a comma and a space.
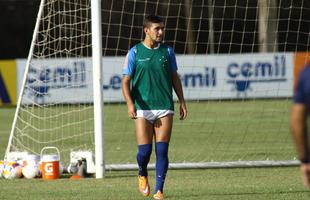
153, 115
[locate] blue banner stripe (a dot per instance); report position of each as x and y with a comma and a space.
4, 95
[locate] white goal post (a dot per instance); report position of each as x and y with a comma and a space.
97, 89
97, 82
238, 61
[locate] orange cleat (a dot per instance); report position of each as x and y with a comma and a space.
159, 195
144, 186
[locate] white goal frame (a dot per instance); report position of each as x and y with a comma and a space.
97, 83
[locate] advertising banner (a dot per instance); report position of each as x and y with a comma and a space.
56, 80
203, 77
7, 82
237, 76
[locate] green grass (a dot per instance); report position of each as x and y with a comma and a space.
220, 184
213, 131
6, 119
226, 131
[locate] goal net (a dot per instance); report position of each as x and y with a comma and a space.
237, 60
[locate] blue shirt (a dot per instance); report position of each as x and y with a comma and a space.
302, 93
130, 63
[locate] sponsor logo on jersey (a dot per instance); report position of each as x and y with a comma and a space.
143, 59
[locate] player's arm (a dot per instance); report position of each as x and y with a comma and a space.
299, 117
298, 127
128, 71
127, 96
177, 86
176, 83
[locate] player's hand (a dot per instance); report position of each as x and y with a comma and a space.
183, 111
132, 113
305, 173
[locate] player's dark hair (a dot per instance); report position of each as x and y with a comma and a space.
151, 19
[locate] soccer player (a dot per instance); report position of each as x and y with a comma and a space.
299, 117
149, 76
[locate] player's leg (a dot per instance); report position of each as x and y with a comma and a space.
162, 128
144, 136
144, 131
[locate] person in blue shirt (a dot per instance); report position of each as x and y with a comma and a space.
300, 122
149, 78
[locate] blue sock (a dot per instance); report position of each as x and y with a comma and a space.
143, 158
162, 163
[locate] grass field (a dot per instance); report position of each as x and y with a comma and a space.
213, 131
240, 183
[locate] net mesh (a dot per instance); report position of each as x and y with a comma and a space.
220, 37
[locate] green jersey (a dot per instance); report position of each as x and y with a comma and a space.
151, 72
